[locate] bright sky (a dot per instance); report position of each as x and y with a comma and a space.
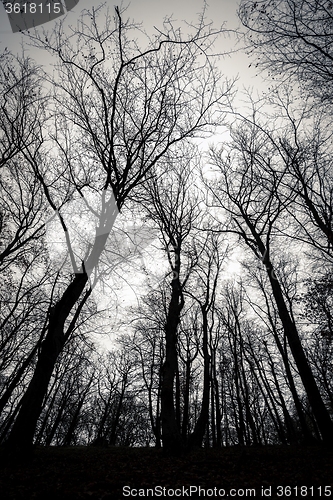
151, 13
148, 11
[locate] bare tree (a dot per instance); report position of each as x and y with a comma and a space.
247, 190
23, 116
118, 110
147, 344
24, 271
306, 151
22, 106
292, 40
205, 282
174, 207
268, 314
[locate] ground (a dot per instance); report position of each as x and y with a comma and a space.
117, 473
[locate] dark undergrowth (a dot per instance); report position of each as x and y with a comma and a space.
116, 473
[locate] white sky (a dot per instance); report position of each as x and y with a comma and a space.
151, 13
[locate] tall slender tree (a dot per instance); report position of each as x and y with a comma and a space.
251, 177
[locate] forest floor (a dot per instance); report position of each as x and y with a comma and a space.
276, 472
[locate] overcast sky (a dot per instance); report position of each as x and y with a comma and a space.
151, 13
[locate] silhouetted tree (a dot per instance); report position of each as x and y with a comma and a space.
247, 191
118, 110
291, 39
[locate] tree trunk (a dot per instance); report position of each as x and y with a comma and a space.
217, 407
171, 437
70, 434
56, 423
17, 377
186, 397
22, 433
318, 407
197, 436
101, 433
212, 414
115, 423
69, 437
178, 412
